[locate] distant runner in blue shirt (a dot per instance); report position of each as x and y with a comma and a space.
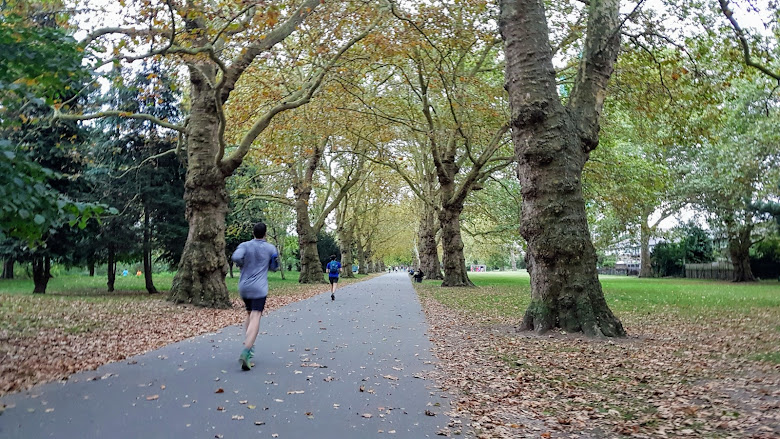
333, 268
254, 258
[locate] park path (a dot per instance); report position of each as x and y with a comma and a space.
312, 359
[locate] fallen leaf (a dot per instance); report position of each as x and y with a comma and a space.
220, 390
152, 398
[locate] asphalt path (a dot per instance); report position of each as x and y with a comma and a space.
355, 367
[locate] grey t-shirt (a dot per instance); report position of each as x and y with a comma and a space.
255, 258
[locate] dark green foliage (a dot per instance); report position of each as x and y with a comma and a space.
135, 170
697, 244
694, 247
765, 258
39, 63
667, 259
770, 207
326, 246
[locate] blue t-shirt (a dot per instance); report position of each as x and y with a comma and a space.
333, 266
255, 258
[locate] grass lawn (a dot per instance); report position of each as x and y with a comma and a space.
78, 326
507, 294
86, 286
702, 359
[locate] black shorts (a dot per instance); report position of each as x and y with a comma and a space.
254, 304
333, 280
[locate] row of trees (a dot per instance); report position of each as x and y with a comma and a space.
403, 125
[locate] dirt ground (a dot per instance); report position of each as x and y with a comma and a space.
672, 377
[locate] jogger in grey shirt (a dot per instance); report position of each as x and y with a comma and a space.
255, 258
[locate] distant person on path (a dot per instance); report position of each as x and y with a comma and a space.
254, 258
334, 268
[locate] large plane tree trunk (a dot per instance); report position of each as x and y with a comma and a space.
346, 241
452, 243
552, 144
362, 268
311, 268
200, 279
427, 248
739, 251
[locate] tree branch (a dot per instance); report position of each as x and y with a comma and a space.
724, 7
123, 114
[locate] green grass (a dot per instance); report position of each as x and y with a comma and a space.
507, 294
129, 286
769, 357
66, 304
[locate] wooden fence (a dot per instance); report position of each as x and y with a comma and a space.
713, 270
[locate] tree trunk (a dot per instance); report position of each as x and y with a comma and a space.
147, 250
230, 264
452, 244
8, 268
41, 268
427, 248
311, 269
645, 268
91, 268
739, 251
368, 256
344, 230
362, 269
552, 144
111, 268
200, 278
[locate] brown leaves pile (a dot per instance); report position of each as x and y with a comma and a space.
49, 338
674, 376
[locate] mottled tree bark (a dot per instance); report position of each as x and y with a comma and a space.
362, 268
739, 252
552, 144
452, 244
427, 248
200, 279
344, 230
311, 268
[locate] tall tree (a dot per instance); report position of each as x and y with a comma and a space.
552, 143
219, 43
